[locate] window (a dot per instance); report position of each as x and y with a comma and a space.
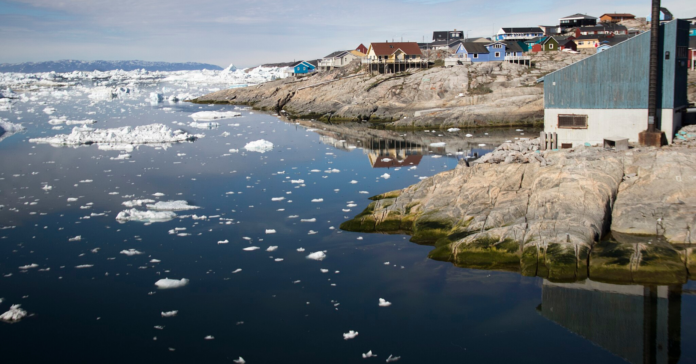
550, 45
497, 54
572, 121
682, 52
475, 55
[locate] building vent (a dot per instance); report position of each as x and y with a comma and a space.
572, 121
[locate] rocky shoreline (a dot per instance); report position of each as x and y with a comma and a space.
477, 95
565, 215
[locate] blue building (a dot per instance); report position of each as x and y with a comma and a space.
482, 52
302, 68
606, 95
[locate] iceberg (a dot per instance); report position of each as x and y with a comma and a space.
153, 133
260, 146
179, 205
214, 115
317, 256
14, 314
167, 283
144, 216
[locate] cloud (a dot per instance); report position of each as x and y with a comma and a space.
248, 33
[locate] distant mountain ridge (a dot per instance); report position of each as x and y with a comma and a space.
69, 65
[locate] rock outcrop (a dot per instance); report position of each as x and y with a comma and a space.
552, 216
480, 94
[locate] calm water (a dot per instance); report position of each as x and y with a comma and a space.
275, 310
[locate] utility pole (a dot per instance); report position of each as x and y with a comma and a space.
652, 136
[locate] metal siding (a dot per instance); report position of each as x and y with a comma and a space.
616, 78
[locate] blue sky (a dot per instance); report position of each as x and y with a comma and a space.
251, 32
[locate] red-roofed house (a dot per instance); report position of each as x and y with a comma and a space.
362, 49
394, 57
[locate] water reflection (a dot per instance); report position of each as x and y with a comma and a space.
641, 324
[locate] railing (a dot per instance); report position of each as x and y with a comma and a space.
517, 58
392, 61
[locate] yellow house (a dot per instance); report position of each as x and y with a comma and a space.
394, 57
587, 41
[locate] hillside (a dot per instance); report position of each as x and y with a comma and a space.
69, 65
481, 94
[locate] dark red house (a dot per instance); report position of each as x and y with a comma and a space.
361, 48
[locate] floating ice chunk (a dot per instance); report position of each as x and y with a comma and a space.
278, 259
300, 250
320, 255
223, 241
155, 261
82, 266
318, 200
239, 361
353, 182
300, 181
350, 335
368, 355
272, 248
121, 157
277, 198
169, 313
133, 203
324, 270
171, 283
179, 205
130, 252
251, 248
234, 150
29, 266
214, 115
9, 129
80, 122
438, 144
237, 270
384, 303
209, 337
260, 146
14, 314
270, 231
47, 188
385, 176
452, 130
311, 232
158, 194
206, 125
144, 134
392, 358
308, 220
49, 110
76, 238
144, 216
155, 97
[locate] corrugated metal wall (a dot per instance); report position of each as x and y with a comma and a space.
618, 77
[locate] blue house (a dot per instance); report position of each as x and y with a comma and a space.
474, 52
302, 68
496, 51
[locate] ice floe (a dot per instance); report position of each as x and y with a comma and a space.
368, 355
384, 303
144, 134
134, 203
169, 313
171, 283
260, 146
350, 335
178, 205
144, 216
130, 252
320, 255
214, 115
391, 358
15, 314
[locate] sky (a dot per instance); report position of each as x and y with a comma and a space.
252, 32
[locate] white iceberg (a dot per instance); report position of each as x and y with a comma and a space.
384, 303
368, 355
251, 248
170, 313
260, 146
179, 205
320, 255
130, 252
14, 314
214, 115
205, 125
350, 335
144, 216
171, 283
144, 134
134, 203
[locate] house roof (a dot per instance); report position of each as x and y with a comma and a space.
473, 47
579, 16
523, 30
336, 54
358, 53
443, 34
513, 47
386, 49
565, 42
535, 40
619, 15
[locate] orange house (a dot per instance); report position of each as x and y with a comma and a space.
616, 17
